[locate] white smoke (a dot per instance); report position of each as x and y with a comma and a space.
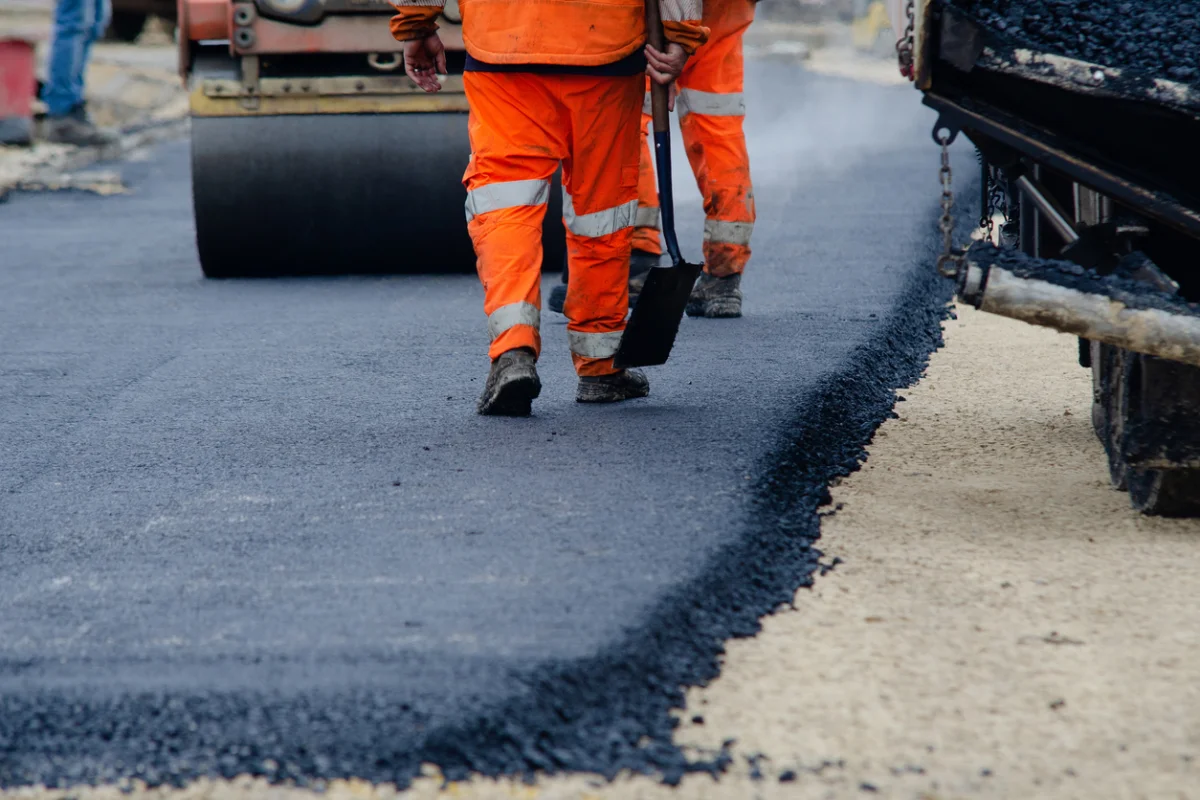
802, 125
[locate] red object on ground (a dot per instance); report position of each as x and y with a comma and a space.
18, 84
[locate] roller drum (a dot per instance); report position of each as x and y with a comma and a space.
337, 194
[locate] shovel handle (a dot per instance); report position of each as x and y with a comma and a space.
658, 93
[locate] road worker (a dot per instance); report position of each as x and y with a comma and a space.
549, 82
711, 111
77, 25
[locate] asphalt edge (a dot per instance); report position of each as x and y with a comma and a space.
614, 712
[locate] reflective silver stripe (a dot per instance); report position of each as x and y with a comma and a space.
594, 345
647, 107
512, 314
646, 217
598, 223
507, 194
694, 101
717, 230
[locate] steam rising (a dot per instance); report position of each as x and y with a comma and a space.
813, 127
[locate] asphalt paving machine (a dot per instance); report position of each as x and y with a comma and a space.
313, 152
1086, 118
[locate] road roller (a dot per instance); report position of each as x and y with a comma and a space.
313, 152
1086, 133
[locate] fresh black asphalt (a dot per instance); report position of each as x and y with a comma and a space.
256, 526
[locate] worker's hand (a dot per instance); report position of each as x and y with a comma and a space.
421, 58
665, 67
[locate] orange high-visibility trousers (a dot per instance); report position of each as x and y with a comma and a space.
711, 110
521, 126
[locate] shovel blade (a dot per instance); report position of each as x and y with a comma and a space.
652, 327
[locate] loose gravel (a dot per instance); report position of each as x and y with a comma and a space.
1156, 37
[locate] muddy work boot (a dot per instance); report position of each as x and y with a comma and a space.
624, 385
558, 298
511, 385
716, 297
76, 129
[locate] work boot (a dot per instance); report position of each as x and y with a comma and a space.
640, 264
76, 129
716, 297
624, 385
558, 298
511, 386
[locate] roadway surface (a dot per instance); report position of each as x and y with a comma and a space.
257, 527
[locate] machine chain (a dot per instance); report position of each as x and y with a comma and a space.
994, 198
989, 209
949, 261
904, 47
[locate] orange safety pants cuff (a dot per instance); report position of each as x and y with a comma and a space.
593, 367
597, 297
723, 260
515, 337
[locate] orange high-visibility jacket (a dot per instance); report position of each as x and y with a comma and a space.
570, 32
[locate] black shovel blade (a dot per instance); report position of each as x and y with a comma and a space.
651, 329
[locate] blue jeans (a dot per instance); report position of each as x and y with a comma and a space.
77, 23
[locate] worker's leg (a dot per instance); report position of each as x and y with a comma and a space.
101, 17
74, 21
600, 184
711, 110
647, 249
518, 133
77, 24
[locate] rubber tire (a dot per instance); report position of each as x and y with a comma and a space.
127, 26
1165, 492
1108, 408
333, 194
1154, 492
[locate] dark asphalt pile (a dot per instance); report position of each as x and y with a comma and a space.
1119, 285
1156, 37
256, 526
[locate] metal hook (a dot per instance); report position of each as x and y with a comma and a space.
945, 133
384, 62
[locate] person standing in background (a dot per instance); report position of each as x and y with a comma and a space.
77, 25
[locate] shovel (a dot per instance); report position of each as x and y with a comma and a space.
651, 329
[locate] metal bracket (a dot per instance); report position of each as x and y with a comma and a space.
250, 82
385, 62
951, 131
341, 86
1050, 209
